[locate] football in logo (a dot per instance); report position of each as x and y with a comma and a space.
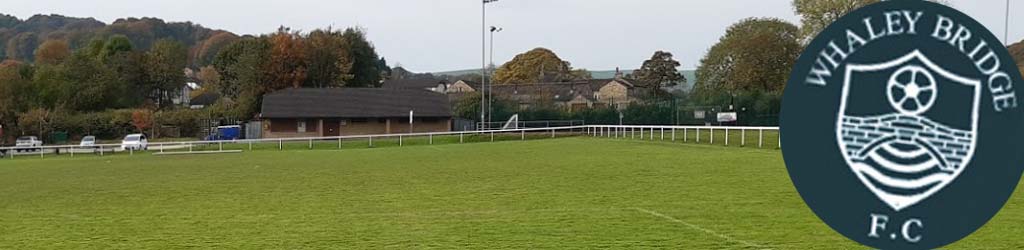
900, 125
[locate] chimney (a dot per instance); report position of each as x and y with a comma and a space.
618, 74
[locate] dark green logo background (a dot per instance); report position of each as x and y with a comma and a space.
983, 162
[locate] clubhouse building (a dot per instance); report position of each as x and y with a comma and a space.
316, 112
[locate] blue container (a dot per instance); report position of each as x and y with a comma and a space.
226, 133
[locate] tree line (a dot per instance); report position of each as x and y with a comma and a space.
114, 78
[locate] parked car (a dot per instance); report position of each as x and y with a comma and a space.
27, 143
88, 142
135, 142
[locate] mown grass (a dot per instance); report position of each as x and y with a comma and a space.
556, 193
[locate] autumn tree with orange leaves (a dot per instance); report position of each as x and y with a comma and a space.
287, 59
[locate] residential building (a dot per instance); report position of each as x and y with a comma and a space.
439, 86
307, 112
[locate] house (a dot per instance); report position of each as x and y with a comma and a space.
439, 86
573, 96
463, 86
307, 112
203, 100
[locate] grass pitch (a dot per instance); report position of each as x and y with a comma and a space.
553, 193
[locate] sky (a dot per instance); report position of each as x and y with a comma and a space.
443, 35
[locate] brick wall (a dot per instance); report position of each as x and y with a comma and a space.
369, 126
952, 144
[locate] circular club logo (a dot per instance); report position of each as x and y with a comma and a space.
900, 125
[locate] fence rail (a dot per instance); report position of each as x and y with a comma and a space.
649, 132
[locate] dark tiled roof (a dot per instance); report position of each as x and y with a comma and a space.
412, 83
354, 103
204, 99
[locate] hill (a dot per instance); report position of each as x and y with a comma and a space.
19, 38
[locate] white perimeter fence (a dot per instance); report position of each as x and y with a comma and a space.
644, 132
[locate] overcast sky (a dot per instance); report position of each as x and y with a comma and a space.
441, 35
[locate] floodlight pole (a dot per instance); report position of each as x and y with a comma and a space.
490, 90
1006, 27
483, 60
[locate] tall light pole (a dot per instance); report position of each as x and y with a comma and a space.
1006, 28
490, 90
483, 60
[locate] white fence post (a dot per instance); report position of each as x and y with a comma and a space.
492, 136
430, 139
662, 133
711, 131
760, 138
727, 136
698, 135
280, 144
399, 140
371, 141
339, 142
460, 137
310, 143
522, 135
220, 145
743, 137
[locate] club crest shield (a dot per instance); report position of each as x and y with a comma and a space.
892, 139
901, 127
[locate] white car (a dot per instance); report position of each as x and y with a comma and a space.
134, 142
27, 143
88, 142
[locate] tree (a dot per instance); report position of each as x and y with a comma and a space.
536, 65
203, 53
241, 66
35, 121
580, 74
114, 45
21, 46
329, 61
142, 119
210, 78
658, 72
15, 78
1017, 52
52, 52
385, 70
287, 66
755, 54
815, 15
364, 59
165, 64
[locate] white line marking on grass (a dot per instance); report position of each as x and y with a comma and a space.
708, 231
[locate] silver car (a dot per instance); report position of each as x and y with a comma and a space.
27, 143
88, 142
